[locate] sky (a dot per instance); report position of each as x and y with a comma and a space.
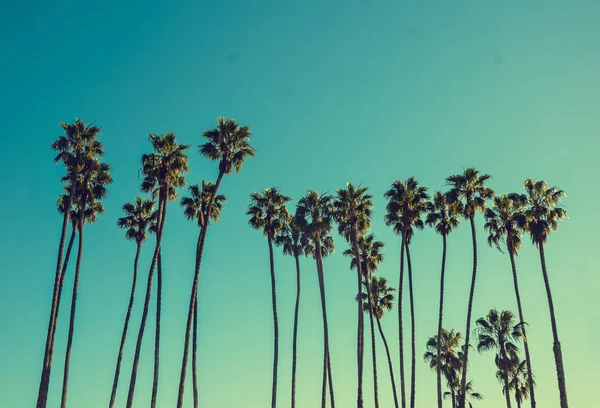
355, 91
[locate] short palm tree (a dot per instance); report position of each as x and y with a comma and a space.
407, 202
469, 188
448, 360
456, 400
163, 171
352, 211
78, 144
518, 378
294, 243
196, 206
542, 214
314, 214
268, 213
499, 331
503, 222
443, 216
139, 216
229, 144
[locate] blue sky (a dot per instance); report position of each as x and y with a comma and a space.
361, 91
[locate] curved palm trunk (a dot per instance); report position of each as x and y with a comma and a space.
360, 330
504, 361
400, 328
389, 358
157, 330
194, 354
525, 342
295, 340
138, 345
63, 402
465, 363
412, 329
194, 294
275, 325
560, 371
113, 394
440, 320
330, 380
373, 344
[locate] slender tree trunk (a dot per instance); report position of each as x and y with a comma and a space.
400, 327
465, 365
138, 346
373, 344
440, 321
389, 358
157, 330
63, 402
194, 294
194, 354
360, 330
113, 394
504, 362
275, 324
295, 340
518, 402
525, 340
326, 354
453, 399
412, 329
330, 380
560, 371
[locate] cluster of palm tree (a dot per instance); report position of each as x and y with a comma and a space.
307, 232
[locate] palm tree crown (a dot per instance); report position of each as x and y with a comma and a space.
267, 211
498, 331
352, 209
370, 253
407, 201
470, 188
542, 211
140, 216
504, 221
382, 297
315, 215
196, 205
450, 361
443, 213
292, 239
229, 143
165, 167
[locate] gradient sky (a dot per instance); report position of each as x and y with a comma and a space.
363, 91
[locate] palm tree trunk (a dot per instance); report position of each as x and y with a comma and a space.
63, 402
440, 321
194, 354
275, 324
413, 365
469, 309
326, 354
194, 294
373, 344
157, 330
518, 403
295, 339
453, 399
389, 358
400, 328
113, 394
525, 342
560, 371
330, 380
360, 330
504, 362
138, 346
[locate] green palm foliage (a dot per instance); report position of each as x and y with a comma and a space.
314, 214
163, 171
443, 217
352, 212
456, 395
543, 214
268, 212
469, 188
139, 217
498, 331
407, 202
518, 380
449, 360
504, 222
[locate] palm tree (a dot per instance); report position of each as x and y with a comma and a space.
76, 145
294, 243
352, 212
543, 214
268, 212
470, 189
448, 360
443, 216
498, 331
518, 378
139, 216
89, 190
163, 172
456, 400
196, 207
503, 222
314, 214
228, 143
407, 202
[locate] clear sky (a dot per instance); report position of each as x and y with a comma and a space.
363, 91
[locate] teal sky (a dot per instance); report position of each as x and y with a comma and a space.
362, 91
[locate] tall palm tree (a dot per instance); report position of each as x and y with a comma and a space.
457, 398
352, 212
268, 212
543, 214
407, 202
76, 145
314, 214
498, 331
469, 187
503, 222
163, 172
294, 243
196, 206
448, 361
139, 216
518, 378
229, 144
443, 216
89, 190
382, 299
